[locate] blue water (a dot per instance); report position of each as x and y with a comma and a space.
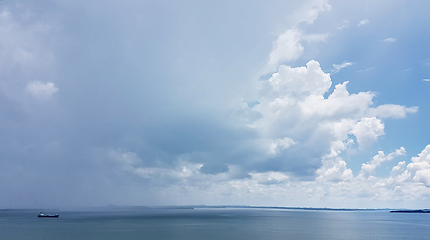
246, 224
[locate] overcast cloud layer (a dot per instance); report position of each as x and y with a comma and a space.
288, 103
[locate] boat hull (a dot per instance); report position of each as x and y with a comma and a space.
48, 216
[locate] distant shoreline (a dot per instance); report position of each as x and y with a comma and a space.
131, 208
411, 211
273, 207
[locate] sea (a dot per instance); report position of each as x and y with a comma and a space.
214, 223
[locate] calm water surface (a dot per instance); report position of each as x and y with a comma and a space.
246, 224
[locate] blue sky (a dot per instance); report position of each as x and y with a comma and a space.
288, 103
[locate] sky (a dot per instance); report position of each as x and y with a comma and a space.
310, 103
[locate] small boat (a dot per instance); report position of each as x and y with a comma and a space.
42, 215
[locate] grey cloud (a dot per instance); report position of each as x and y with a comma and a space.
142, 76
213, 168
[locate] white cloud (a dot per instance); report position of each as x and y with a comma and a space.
391, 111
368, 168
399, 168
420, 167
296, 121
339, 103
41, 91
268, 178
426, 80
286, 48
368, 130
338, 67
301, 81
335, 183
389, 40
363, 22
280, 144
293, 106
423, 176
312, 10
334, 171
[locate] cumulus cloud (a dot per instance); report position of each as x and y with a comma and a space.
334, 171
287, 47
335, 183
399, 168
420, 167
368, 168
41, 91
299, 82
391, 111
339, 103
280, 144
368, 130
295, 121
292, 106
363, 22
423, 176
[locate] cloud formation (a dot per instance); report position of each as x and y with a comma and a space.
369, 167
162, 104
41, 91
296, 121
288, 46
